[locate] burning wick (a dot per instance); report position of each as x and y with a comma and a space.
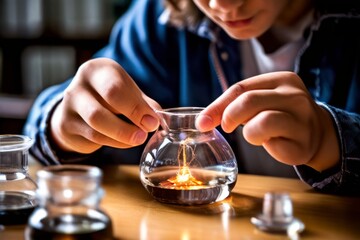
183, 179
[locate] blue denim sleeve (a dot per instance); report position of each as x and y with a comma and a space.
37, 122
344, 178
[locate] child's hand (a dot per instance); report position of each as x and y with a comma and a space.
87, 117
278, 113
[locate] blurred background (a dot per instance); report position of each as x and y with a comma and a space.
43, 42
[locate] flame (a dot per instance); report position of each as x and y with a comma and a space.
183, 179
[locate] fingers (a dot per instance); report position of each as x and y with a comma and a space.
274, 130
211, 116
269, 124
279, 134
246, 106
119, 93
87, 118
247, 98
86, 131
90, 139
106, 123
278, 113
287, 151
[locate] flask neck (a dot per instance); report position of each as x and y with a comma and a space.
179, 119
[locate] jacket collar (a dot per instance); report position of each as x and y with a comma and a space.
205, 28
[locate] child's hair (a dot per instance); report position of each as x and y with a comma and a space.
183, 12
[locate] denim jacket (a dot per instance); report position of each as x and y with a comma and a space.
180, 66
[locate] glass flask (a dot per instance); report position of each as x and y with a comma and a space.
69, 198
17, 189
181, 165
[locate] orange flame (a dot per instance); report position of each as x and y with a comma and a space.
183, 179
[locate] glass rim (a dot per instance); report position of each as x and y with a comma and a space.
180, 110
14, 142
55, 171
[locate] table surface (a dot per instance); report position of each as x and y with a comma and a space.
136, 215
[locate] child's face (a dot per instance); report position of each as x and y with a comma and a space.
243, 19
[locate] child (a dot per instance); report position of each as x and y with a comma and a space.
280, 76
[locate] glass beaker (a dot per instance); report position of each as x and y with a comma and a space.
17, 189
69, 198
181, 165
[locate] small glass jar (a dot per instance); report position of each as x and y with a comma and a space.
69, 198
181, 165
17, 189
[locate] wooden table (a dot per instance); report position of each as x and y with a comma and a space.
136, 215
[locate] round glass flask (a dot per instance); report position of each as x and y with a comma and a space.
17, 189
181, 165
69, 198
